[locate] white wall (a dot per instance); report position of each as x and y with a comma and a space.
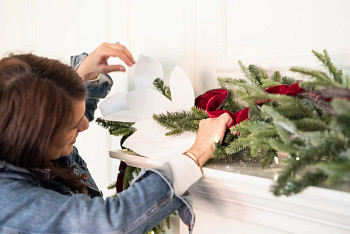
58, 29
205, 37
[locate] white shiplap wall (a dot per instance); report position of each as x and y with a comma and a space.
205, 37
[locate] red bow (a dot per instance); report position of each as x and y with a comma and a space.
213, 100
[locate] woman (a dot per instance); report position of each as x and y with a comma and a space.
45, 186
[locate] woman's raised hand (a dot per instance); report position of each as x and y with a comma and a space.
97, 61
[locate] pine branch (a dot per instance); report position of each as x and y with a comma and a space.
269, 83
111, 186
336, 172
247, 73
129, 175
320, 84
288, 80
327, 149
180, 122
276, 77
199, 113
321, 78
341, 107
257, 95
280, 146
326, 61
116, 128
224, 82
280, 120
160, 86
312, 105
236, 146
247, 127
346, 81
284, 136
296, 186
311, 124
295, 110
257, 74
268, 158
231, 104
341, 120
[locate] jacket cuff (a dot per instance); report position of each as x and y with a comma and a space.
101, 79
185, 173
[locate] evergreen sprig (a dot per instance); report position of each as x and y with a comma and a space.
180, 122
160, 86
333, 76
116, 128
324, 58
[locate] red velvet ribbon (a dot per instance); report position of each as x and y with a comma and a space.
290, 90
120, 178
212, 101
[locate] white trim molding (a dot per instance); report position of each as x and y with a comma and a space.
238, 203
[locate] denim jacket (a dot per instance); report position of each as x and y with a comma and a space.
28, 207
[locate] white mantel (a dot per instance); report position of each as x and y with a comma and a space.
227, 202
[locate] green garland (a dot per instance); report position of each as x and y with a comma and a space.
313, 132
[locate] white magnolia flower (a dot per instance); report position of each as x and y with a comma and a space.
140, 104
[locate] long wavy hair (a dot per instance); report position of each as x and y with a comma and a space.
37, 97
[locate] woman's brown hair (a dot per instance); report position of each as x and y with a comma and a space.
36, 104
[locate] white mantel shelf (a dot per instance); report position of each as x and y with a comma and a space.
227, 202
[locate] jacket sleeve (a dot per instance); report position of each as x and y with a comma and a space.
136, 210
96, 89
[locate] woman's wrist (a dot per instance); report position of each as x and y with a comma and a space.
87, 76
199, 155
91, 76
193, 157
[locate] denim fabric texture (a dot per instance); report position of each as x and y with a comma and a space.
95, 89
28, 207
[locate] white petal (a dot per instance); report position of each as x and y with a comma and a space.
146, 102
123, 116
172, 148
150, 128
182, 94
149, 141
113, 104
146, 71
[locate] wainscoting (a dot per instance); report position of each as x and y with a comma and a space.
226, 202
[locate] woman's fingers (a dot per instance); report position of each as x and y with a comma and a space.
204, 144
97, 61
119, 51
111, 68
123, 53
